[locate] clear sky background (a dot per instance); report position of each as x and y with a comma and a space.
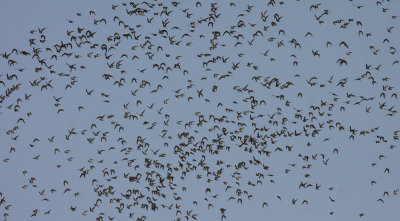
231, 61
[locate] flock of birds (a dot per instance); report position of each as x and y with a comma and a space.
191, 110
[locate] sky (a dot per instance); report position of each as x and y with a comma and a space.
256, 110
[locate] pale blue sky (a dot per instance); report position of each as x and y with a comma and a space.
345, 178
